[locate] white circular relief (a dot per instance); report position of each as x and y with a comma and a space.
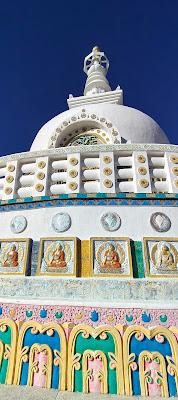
18, 224
111, 221
61, 222
160, 222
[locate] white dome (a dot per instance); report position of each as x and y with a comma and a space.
131, 124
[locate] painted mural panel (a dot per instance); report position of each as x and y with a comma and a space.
111, 257
15, 256
57, 256
161, 256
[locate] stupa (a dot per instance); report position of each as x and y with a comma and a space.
89, 250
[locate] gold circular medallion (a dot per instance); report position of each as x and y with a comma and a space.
107, 171
176, 182
73, 173
142, 170
144, 183
73, 161
141, 158
8, 190
174, 159
107, 159
39, 187
11, 168
175, 170
9, 179
108, 183
73, 185
41, 164
40, 175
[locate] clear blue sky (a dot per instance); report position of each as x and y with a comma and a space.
43, 44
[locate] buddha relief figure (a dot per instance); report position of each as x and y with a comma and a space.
111, 258
165, 258
11, 259
58, 258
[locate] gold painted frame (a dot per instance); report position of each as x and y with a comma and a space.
9, 351
23, 353
146, 255
53, 239
27, 255
128, 357
116, 360
108, 239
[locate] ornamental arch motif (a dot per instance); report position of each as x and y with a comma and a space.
150, 362
8, 341
41, 356
82, 125
95, 360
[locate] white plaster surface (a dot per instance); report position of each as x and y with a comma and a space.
8, 392
86, 222
132, 124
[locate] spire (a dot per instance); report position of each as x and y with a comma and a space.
96, 66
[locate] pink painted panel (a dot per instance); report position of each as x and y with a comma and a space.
39, 378
94, 384
153, 388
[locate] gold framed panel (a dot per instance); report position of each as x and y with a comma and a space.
23, 255
119, 250
53, 270
171, 258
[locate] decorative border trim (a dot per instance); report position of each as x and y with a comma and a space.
118, 199
93, 316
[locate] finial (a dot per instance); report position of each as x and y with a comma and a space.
96, 66
97, 58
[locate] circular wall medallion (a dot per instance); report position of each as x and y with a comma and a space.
111, 221
18, 224
61, 222
160, 222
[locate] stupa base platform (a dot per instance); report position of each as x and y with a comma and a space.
28, 393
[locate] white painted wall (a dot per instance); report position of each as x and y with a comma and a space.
86, 222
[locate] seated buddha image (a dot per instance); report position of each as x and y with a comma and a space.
165, 258
11, 259
58, 258
111, 258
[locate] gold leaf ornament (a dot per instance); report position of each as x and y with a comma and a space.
11, 168
73, 161
8, 190
144, 183
107, 171
174, 159
73, 173
73, 185
108, 183
41, 164
40, 175
107, 159
9, 178
141, 158
39, 187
